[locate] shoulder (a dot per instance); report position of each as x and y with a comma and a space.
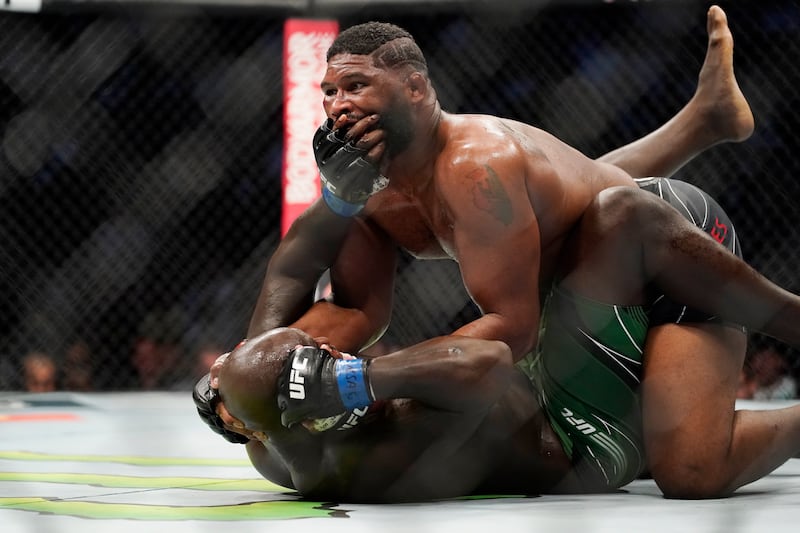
490, 130
474, 142
488, 160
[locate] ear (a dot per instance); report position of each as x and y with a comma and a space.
417, 86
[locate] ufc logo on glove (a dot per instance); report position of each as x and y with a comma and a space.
313, 384
297, 390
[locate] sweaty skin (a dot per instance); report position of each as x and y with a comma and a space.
502, 199
485, 173
475, 427
495, 195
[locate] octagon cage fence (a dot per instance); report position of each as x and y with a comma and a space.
140, 164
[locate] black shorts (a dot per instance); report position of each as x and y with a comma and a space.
705, 213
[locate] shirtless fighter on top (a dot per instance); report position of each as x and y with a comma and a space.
516, 208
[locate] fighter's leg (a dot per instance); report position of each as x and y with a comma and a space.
697, 446
630, 239
718, 112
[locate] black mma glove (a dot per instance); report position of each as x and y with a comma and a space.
314, 385
206, 400
348, 180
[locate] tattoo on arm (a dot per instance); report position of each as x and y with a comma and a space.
489, 195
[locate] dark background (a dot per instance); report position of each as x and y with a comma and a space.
141, 153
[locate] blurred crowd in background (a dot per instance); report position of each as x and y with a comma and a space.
158, 360
161, 363
140, 160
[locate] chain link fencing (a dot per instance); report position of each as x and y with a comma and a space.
140, 161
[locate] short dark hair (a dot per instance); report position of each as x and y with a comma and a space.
371, 37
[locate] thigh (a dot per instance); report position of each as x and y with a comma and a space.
690, 377
587, 370
602, 256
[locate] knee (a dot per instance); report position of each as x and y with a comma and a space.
690, 480
631, 214
629, 206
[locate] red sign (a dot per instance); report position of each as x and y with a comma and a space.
38, 417
305, 43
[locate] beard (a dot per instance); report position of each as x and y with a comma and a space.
398, 124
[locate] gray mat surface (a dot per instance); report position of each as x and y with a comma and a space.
144, 463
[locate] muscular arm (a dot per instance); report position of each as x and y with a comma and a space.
315, 238
362, 263
308, 249
362, 281
496, 235
450, 373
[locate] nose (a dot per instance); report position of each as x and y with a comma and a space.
340, 104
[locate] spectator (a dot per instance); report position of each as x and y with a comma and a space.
78, 371
158, 357
10, 376
767, 374
747, 383
39, 372
206, 354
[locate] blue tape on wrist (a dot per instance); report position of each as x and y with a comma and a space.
352, 381
339, 206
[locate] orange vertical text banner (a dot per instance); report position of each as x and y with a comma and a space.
305, 43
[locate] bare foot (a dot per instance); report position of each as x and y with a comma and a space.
718, 98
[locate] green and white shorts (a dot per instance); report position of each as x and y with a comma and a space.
588, 370
588, 365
